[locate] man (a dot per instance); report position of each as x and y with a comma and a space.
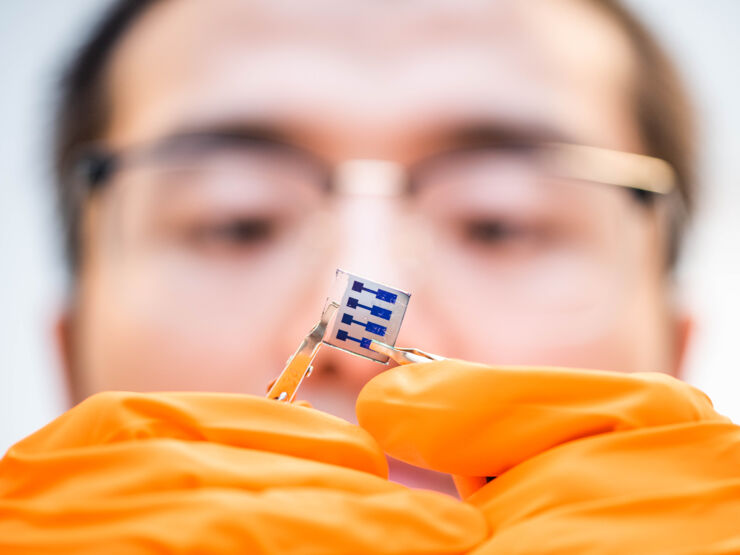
218, 160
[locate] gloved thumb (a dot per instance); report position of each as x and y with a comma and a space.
475, 420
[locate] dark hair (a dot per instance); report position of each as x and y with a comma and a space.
662, 108
665, 118
82, 112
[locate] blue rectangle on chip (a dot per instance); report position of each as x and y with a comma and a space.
383, 313
386, 296
375, 328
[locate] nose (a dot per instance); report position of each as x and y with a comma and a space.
368, 211
379, 240
370, 228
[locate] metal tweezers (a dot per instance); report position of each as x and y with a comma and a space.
299, 367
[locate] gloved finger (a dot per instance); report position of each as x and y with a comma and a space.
683, 522
476, 420
217, 520
238, 420
631, 467
161, 465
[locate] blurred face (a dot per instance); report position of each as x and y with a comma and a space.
207, 261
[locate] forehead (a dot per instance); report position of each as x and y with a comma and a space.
372, 68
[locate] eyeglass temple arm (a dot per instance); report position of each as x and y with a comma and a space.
612, 167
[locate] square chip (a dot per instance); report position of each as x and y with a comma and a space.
367, 310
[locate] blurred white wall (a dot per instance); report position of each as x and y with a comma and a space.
702, 37
35, 35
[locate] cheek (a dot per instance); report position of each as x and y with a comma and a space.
140, 329
623, 328
148, 344
629, 337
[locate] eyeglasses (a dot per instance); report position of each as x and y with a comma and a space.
531, 232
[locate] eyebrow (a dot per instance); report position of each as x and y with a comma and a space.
255, 133
477, 134
515, 134
260, 133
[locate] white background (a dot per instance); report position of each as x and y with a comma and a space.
36, 35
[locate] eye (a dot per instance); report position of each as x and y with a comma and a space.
236, 233
488, 232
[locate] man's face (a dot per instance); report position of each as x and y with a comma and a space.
211, 286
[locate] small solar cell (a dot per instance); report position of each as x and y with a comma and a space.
359, 299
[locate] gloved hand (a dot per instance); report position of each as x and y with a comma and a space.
585, 461
215, 473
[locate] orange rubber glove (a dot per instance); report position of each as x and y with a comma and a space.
215, 473
586, 461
